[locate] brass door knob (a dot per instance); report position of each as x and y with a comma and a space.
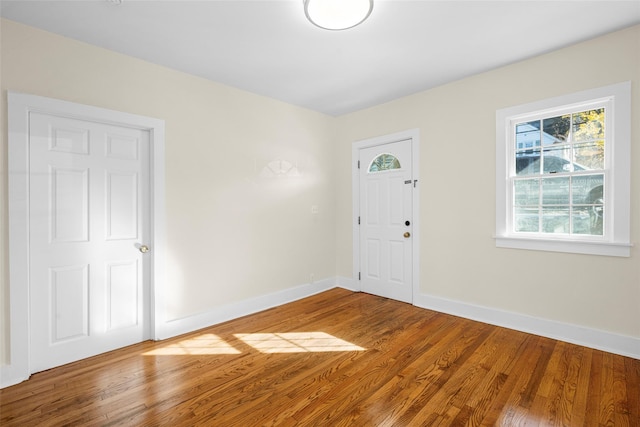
144, 249
407, 234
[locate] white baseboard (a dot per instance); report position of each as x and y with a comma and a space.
11, 375
242, 308
601, 340
593, 338
348, 283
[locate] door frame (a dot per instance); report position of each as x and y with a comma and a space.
414, 136
20, 106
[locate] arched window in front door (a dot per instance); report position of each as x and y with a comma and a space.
384, 162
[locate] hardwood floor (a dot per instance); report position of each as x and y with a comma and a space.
337, 359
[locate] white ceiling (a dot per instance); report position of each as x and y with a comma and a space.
267, 47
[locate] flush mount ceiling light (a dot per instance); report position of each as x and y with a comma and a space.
337, 14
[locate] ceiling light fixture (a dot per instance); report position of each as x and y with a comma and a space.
337, 14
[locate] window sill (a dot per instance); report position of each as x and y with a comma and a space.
576, 247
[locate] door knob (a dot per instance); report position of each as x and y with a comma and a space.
144, 249
407, 234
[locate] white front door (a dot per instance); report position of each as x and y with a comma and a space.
88, 215
386, 186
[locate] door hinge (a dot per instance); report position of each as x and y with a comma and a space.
415, 181
359, 276
358, 220
358, 164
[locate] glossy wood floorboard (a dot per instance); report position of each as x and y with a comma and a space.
337, 359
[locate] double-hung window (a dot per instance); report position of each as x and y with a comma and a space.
562, 177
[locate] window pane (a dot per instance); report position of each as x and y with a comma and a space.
555, 191
581, 219
384, 162
591, 194
557, 159
588, 125
556, 129
528, 163
596, 220
587, 220
527, 135
526, 219
527, 192
555, 219
587, 189
589, 155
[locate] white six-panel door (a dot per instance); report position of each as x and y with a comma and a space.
386, 222
88, 210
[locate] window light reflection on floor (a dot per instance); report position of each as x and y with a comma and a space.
296, 342
202, 344
284, 342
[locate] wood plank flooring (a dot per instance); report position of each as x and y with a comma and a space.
337, 359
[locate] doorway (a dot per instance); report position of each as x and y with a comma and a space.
385, 182
86, 220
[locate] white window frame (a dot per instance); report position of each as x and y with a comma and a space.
616, 238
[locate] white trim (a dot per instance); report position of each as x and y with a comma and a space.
587, 248
617, 243
20, 105
580, 335
158, 235
348, 283
245, 307
414, 136
606, 341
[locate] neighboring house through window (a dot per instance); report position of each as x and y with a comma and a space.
562, 173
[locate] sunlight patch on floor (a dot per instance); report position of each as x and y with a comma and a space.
296, 342
285, 342
202, 344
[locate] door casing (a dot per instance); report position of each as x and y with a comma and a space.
20, 105
414, 136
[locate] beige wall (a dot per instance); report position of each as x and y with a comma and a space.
232, 233
458, 259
